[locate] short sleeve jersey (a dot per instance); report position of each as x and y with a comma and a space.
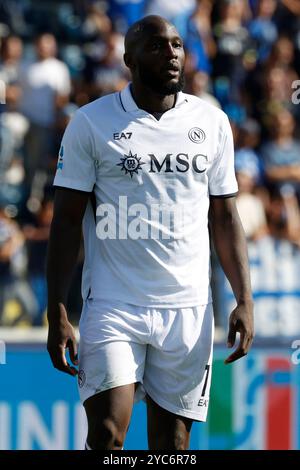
146, 235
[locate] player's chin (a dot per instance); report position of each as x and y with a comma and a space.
172, 81
171, 86
170, 77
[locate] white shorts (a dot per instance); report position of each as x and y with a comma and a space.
167, 351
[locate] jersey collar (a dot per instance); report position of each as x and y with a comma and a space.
129, 105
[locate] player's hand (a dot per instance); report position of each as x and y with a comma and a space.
240, 320
61, 337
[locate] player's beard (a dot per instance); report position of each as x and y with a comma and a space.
155, 84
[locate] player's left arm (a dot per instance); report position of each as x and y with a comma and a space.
231, 247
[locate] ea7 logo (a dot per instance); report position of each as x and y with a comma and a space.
122, 135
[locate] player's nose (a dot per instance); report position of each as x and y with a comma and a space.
171, 51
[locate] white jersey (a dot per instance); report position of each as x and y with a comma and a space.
146, 238
41, 82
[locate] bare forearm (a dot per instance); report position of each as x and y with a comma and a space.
283, 173
293, 6
231, 247
62, 256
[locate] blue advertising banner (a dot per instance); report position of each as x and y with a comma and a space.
40, 408
275, 279
254, 403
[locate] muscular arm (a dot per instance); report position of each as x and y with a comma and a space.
284, 172
292, 5
63, 248
230, 244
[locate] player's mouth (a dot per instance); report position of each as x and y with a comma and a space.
171, 70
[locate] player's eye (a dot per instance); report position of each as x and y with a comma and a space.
177, 45
155, 46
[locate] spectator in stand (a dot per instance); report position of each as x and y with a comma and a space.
12, 15
125, 12
288, 16
271, 84
96, 22
199, 39
37, 236
13, 286
248, 174
198, 84
13, 125
10, 70
281, 154
108, 74
176, 12
11, 56
235, 51
263, 29
170, 10
282, 56
273, 92
278, 87
46, 88
247, 141
283, 214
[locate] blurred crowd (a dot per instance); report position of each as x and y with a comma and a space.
242, 56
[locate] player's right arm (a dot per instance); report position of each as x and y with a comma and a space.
63, 248
75, 179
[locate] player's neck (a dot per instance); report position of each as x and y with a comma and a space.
152, 102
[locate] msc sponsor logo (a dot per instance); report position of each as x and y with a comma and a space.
171, 163
130, 164
197, 135
180, 163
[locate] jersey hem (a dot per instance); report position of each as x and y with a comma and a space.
89, 392
72, 184
220, 196
168, 305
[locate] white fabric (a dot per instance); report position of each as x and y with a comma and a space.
41, 82
252, 213
168, 351
157, 247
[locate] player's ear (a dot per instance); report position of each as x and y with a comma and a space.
128, 60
